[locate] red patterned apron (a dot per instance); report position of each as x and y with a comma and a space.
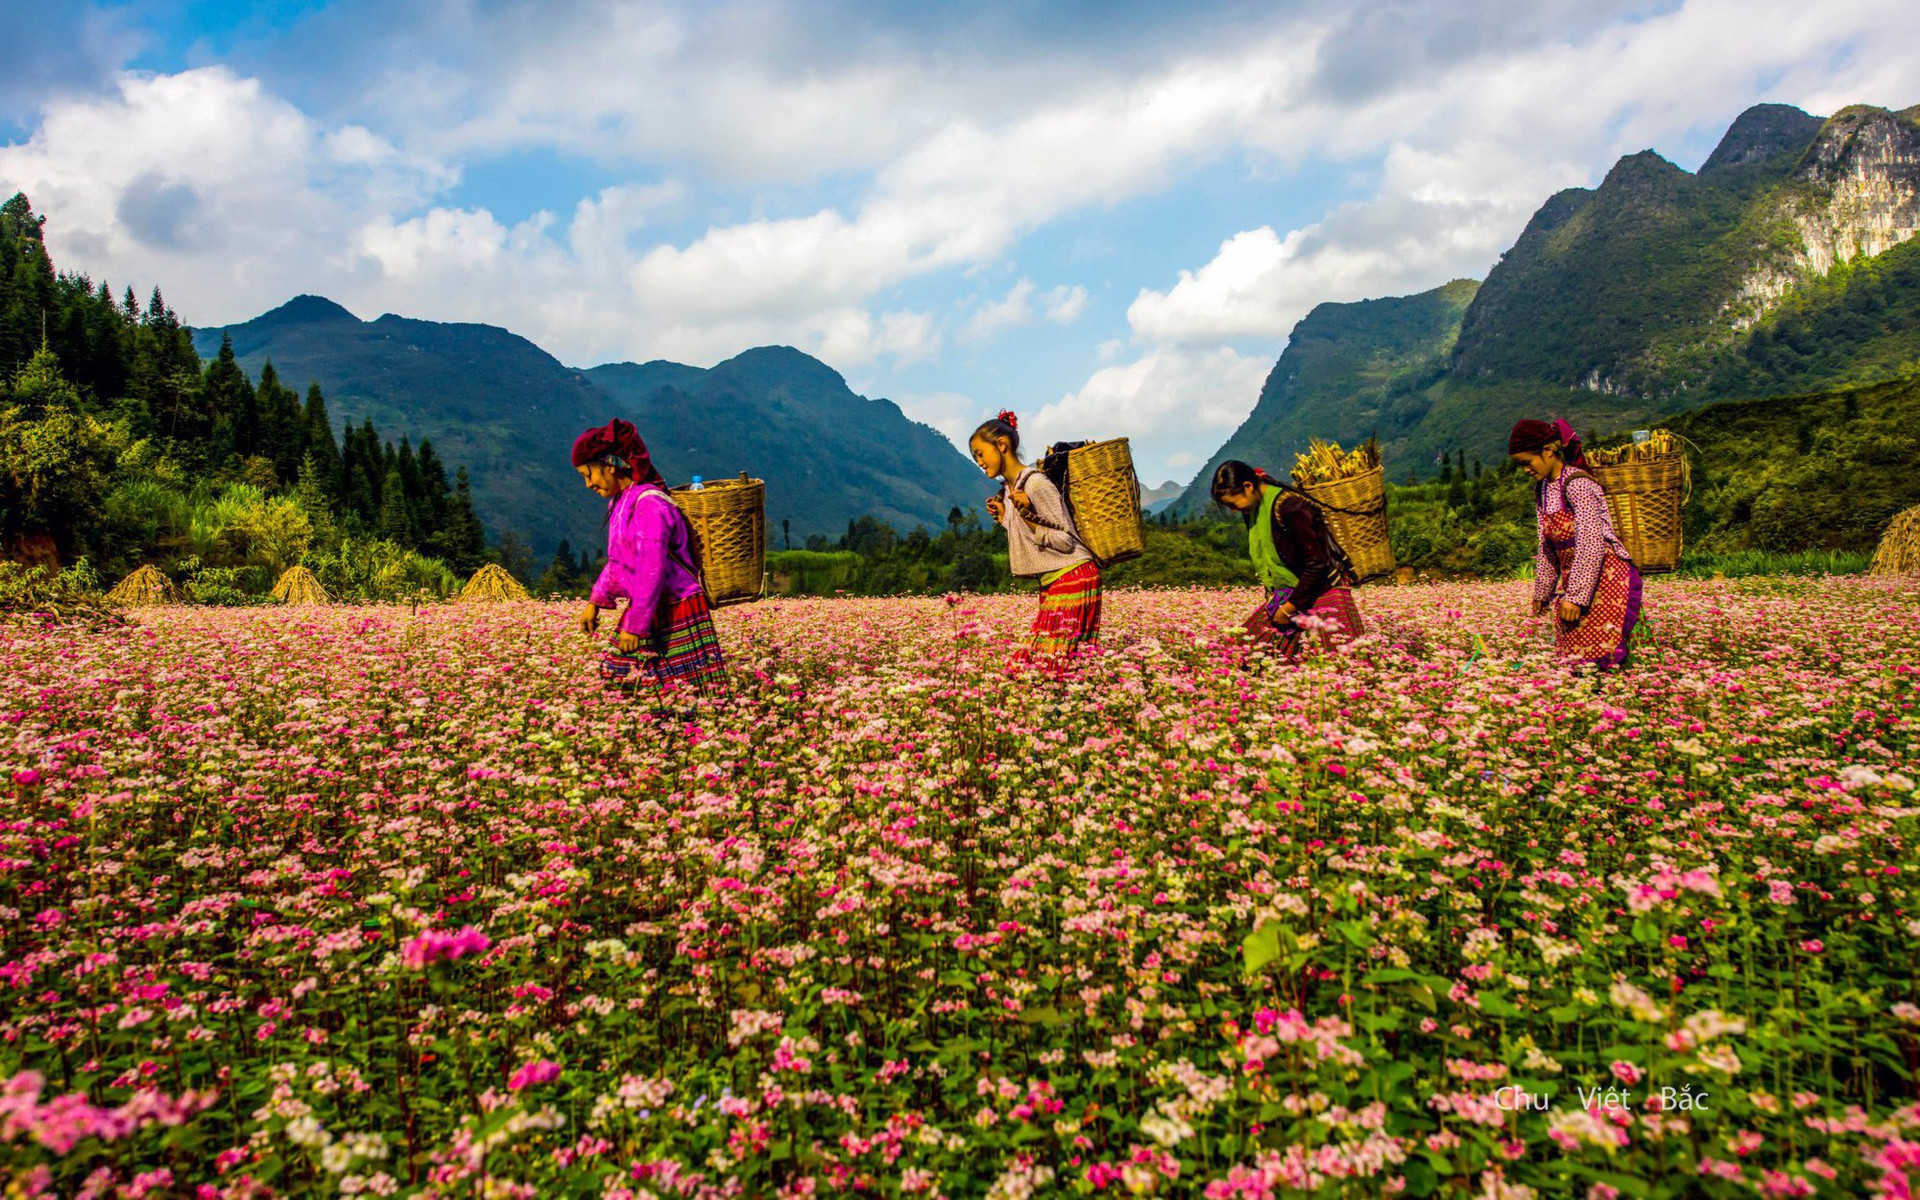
1601, 636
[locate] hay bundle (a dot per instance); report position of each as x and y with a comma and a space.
1899, 552
492, 584
298, 586
1350, 488
144, 588
1326, 462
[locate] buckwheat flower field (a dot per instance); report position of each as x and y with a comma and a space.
380, 901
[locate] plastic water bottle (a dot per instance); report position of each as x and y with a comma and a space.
1641, 436
696, 485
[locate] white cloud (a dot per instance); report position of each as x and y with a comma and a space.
1013, 309
1191, 390
206, 183
1065, 304
920, 161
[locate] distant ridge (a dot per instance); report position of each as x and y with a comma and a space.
1655, 293
508, 411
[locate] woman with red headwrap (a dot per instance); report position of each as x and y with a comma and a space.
1582, 572
666, 633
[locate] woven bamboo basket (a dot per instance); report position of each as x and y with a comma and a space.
1356, 512
1645, 498
729, 522
1899, 552
1105, 495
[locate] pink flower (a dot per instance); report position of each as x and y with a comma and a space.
436, 945
1813, 946
534, 1074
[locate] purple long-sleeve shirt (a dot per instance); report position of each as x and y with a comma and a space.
648, 549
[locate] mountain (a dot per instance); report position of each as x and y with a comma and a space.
1350, 370
827, 454
489, 400
1787, 263
508, 411
1154, 499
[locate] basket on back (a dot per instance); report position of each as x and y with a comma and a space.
1647, 486
729, 522
1103, 495
1350, 486
1355, 509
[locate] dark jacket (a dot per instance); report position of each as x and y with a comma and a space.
1308, 548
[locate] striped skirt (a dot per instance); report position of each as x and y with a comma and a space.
1336, 608
1069, 614
685, 654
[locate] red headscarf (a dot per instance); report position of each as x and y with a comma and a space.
1531, 437
617, 439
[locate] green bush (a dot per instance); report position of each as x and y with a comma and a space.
41, 589
369, 570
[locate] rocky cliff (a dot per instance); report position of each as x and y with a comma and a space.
1787, 263
1855, 194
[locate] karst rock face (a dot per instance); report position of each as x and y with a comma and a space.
1854, 194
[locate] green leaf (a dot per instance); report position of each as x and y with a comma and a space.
1262, 946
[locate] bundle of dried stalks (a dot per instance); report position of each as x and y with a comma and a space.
297, 585
492, 584
144, 588
1899, 552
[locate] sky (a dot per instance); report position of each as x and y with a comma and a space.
1106, 216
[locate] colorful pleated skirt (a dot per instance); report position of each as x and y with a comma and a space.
1069, 614
1335, 611
685, 656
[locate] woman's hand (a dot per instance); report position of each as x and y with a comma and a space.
627, 642
1570, 612
1285, 613
590, 619
996, 509
1022, 504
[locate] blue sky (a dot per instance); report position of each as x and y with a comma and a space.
1106, 216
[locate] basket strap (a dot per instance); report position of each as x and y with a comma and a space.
691, 568
1323, 506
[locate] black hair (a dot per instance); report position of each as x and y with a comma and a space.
1232, 475
1006, 425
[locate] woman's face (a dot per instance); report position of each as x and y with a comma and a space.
988, 456
1243, 499
602, 479
1539, 465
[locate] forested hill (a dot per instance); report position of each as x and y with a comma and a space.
509, 411
828, 455
490, 401
1784, 265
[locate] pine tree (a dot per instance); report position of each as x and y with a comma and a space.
282, 425
412, 491
318, 444
316, 498
233, 406
466, 538
392, 523
437, 496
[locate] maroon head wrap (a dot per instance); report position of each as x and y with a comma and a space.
619, 442
1531, 437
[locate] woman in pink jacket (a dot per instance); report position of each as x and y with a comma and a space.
666, 633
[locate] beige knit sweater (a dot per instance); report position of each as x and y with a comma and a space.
1034, 549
